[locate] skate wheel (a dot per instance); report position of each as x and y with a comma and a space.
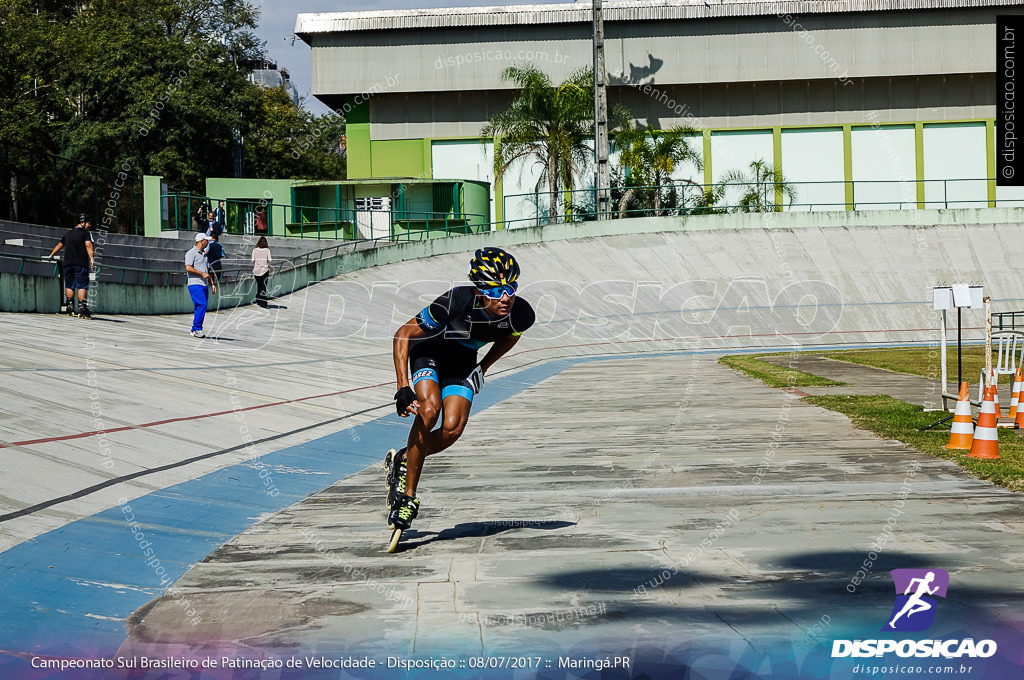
396, 536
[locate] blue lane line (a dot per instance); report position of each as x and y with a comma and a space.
80, 582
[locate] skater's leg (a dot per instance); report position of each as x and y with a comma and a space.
455, 416
428, 393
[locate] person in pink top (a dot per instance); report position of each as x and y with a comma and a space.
261, 269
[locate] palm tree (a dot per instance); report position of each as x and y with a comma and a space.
764, 187
670, 149
649, 156
630, 139
548, 123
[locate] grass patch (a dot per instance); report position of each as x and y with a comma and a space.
772, 375
921, 361
894, 419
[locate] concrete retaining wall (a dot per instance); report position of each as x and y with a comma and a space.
886, 260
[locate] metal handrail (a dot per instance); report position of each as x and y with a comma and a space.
698, 189
997, 318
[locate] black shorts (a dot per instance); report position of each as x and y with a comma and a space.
450, 371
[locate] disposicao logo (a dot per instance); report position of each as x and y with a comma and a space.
913, 611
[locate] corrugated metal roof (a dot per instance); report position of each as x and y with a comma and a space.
624, 10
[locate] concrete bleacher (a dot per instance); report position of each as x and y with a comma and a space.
28, 281
163, 253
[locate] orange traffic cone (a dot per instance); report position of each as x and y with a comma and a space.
995, 392
993, 381
986, 437
1019, 423
1015, 395
962, 434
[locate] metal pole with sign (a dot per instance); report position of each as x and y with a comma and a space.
959, 296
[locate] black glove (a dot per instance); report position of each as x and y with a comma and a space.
403, 398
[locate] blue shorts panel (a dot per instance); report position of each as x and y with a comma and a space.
451, 376
76, 278
424, 374
457, 390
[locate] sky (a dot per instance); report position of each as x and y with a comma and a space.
277, 24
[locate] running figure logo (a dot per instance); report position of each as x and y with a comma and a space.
914, 610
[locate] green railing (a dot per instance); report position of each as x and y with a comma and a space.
264, 218
243, 216
531, 209
1007, 321
688, 198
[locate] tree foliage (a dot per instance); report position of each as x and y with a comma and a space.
546, 122
647, 159
159, 85
763, 188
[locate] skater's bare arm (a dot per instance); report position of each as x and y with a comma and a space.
88, 247
56, 248
497, 351
409, 331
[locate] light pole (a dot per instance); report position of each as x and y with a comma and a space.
602, 176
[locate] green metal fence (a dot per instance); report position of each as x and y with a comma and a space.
267, 218
577, 205
690, 198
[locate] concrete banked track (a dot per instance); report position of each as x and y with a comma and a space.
183, 499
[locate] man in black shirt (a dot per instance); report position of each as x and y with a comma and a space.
78, 260
439, 346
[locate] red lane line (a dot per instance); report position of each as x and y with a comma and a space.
178, 420
356, 389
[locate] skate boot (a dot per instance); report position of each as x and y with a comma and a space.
404, 513
395, 479
69, 306
83, 311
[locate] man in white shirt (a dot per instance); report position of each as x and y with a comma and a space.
198, 269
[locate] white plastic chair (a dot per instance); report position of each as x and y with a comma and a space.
1009, 347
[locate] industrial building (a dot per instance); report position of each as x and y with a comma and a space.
861, 103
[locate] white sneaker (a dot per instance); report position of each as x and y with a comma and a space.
197, 334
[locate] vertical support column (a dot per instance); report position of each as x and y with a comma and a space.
602, 173
152, 205
990, 154
428, 158
919, 162
848, 172
777, 165
708, 181
337, 209
499, 192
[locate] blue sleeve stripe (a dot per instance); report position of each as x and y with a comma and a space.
428, 320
